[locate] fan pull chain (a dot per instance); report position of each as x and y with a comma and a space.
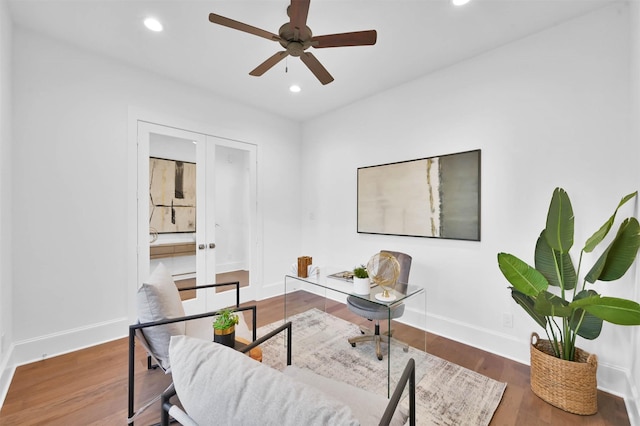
286, 65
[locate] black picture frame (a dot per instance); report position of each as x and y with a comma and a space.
433, 197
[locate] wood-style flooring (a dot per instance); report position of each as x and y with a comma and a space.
89, 387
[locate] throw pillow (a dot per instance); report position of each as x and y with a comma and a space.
158, 298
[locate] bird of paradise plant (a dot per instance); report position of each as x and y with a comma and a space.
562, 320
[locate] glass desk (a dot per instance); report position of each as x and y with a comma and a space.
328, 293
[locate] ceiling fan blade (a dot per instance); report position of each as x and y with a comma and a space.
230, 23
298, 12
316, 68
269, 63
357, 38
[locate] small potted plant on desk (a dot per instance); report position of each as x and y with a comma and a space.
361, 283
224, 328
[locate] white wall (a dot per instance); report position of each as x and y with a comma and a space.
634, 71
5, 193
70, 203
549, 110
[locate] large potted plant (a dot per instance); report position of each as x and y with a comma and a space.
553, 295
224, 328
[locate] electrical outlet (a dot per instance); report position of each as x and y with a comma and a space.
507, 320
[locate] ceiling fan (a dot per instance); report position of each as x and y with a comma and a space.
296, 38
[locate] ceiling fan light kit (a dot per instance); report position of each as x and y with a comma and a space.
296, 37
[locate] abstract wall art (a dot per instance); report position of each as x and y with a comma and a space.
172, 196
436, 197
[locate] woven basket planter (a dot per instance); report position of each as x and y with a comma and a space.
568, 385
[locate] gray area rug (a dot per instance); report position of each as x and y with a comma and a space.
446, 394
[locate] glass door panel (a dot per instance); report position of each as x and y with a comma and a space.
197, 212
232, 223
168, 204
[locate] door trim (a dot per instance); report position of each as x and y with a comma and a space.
132, 248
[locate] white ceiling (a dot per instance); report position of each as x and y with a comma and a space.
415, 37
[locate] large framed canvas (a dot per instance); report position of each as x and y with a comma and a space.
436, 197
172, 196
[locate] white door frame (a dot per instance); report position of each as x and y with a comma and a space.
138, 237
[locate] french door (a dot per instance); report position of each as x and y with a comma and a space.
196, 211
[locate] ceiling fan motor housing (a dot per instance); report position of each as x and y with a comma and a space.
295, 45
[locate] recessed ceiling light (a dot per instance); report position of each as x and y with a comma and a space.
294, 88
460, 2
153, 24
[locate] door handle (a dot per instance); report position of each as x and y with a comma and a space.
212, 245
201, 247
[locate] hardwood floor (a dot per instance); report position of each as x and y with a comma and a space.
89, 387
241, 276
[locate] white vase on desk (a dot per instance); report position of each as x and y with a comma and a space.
361, 285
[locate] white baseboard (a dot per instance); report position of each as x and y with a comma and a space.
611, 379
6, 374
38, 348
633, 410
270, 290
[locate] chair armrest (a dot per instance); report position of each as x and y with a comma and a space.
408, 375
286, 326
193, 317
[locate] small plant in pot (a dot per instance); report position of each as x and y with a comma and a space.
224, 328
553, 295
361, 283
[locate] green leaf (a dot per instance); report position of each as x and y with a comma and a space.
550, 305
527, 304
590, 325
611, 309
599, 235
522, 276
619, 256
557, 268
559, 229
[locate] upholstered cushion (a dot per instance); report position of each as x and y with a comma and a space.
220, 386
158, 299
367, 407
